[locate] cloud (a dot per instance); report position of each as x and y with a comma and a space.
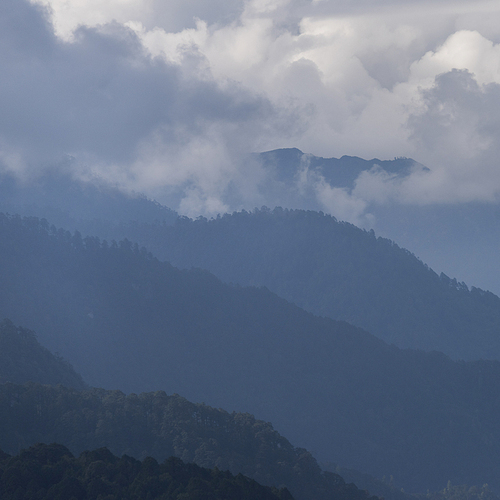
457, 131
170, 15
465, 49
169, 97
121, 113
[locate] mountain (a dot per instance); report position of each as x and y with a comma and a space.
23, 359
292, 179
161, 426
335, 269
52, 472
460, 239
126, 320
285, 166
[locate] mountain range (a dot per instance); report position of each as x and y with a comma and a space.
128, 321
459, 239
338, 270
147, 426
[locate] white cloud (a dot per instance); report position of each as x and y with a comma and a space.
467, 50
340, 202
223, 78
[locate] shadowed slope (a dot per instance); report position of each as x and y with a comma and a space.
128, 321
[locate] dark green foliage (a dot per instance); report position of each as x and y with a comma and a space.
23, 359
337, 270
51, 472
159, 425
128, 321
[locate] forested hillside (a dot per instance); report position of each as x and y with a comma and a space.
327, 267
337, 270
127, 321
460, 239
23, 359
51, 472
161, 426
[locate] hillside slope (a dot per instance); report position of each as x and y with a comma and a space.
157, 425
337, 270
52, 472
460, 239
128, 321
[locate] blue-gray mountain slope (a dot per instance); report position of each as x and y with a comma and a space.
128, 321
337, 270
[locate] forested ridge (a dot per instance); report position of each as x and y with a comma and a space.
335, 269
327, 267
51, 472
128, 321
97, 418
459, 239
22, 359
160, 426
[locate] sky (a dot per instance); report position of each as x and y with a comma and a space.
170, 96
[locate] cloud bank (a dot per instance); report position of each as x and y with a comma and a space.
169, 97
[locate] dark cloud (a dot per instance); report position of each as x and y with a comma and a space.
100, 96
25, 31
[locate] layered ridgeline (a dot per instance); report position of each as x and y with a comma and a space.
51, 472
97, 418
337, 270
148, 424
326, 267
199, 433
127, 321
459, 239
161, 426
23, 359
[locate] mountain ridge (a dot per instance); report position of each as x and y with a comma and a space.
23, 359
126, 320
157, 425
335, 269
